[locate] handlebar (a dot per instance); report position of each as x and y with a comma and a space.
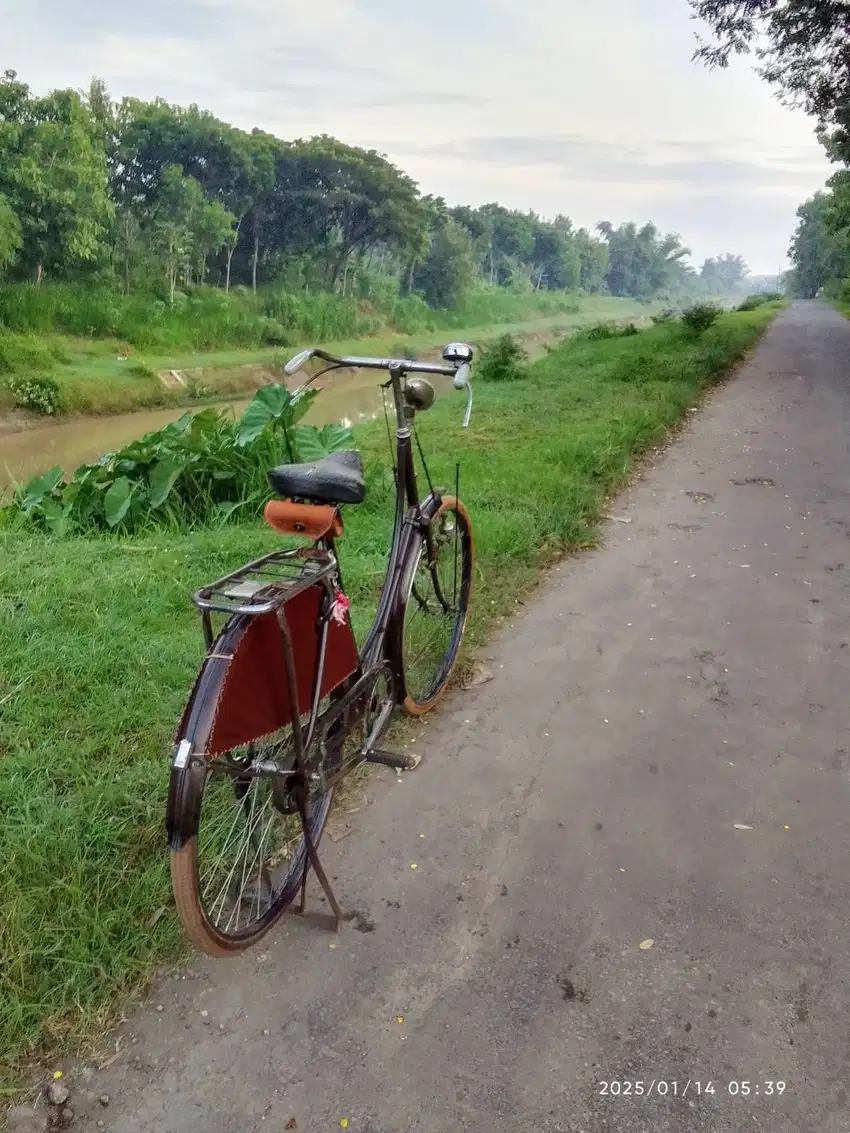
401, 365
457, 370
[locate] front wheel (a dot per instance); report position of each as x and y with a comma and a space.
437, 589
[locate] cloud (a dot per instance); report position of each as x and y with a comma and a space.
595, 110
583, 159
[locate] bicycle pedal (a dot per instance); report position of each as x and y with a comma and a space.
397, 762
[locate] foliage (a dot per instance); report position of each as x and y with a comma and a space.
642, 262
699, 317
53, 175
801, 46
724, 275
155, 199
39, 393
204, 468
445, 274
600, 331
10, 233
27, 354
504, 361
820, 249
758, 299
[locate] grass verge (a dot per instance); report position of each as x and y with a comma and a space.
98, 645
106, 376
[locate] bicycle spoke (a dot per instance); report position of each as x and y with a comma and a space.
249, 841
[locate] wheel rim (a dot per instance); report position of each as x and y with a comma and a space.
435, 610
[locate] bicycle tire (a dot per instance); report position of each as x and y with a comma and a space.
199, 925
421, 690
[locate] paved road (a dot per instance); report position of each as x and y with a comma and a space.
662, 756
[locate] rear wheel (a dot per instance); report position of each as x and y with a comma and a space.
438, 590
234, 878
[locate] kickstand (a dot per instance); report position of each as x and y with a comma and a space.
313, 860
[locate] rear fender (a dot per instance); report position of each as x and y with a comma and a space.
185, 790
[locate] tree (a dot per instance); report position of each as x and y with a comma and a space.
148, 191
820, 248
10, 234
556, 259
186, 227
803, 48
641, 262
446, 272
724, 275
593, 258
53, 173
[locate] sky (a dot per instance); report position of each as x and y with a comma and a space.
591, 108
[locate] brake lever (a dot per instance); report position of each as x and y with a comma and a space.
461, 381
468, 412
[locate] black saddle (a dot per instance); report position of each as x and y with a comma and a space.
337, 479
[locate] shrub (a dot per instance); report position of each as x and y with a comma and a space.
758, 300
664, 316
601, 331
699, 317
39, 393
598, 332
275, 333
504, 361
403, 350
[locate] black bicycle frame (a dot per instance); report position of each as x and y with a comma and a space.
410, 521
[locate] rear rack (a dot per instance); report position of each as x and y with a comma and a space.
261, 586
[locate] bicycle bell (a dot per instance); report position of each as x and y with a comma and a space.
419, 394
457, 352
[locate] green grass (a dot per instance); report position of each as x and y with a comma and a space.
99, 376
98, 645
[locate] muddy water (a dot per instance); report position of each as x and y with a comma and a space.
351, 397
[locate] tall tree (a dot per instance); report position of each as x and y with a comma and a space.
53, 173
820, 249
446, 272
724, 275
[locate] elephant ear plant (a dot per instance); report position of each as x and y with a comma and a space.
202, 469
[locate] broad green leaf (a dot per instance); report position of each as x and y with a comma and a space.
315, 444
117, 501
41, 486
57, 518
70, 492
271, 403
162, 478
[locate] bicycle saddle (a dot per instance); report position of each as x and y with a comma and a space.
337, 479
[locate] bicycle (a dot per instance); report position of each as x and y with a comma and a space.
284, 705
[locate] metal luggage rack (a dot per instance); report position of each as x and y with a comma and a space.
259, 587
